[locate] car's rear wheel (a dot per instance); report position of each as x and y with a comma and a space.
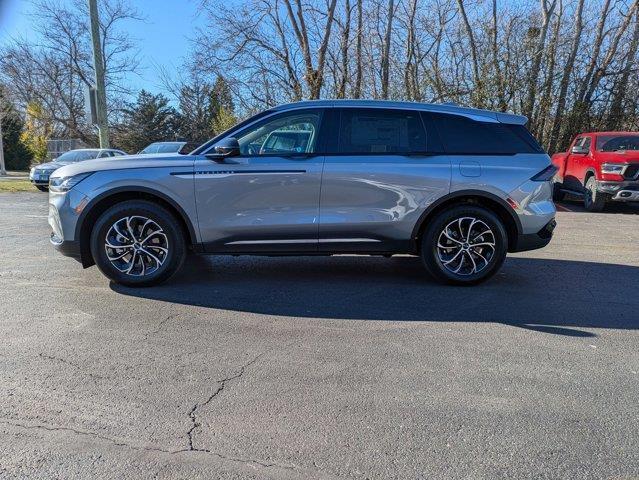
464, 245
138, 243
42, 188
594, 201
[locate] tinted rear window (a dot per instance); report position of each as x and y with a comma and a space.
366, 131
464, 136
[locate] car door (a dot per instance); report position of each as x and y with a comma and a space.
583, 160
266, 199
572, 175
381, 173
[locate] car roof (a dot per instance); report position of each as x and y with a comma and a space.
609, 133
475, 113
167, 143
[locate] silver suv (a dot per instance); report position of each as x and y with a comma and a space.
458, 187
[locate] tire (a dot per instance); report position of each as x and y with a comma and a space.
156, 252
594, 201
42, 188
444, 231
557, 194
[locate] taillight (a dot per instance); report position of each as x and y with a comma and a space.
546, 174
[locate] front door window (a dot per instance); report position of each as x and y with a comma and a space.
289, 134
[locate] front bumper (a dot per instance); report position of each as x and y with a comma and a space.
68, 248
620, 191
64, 212
40, 179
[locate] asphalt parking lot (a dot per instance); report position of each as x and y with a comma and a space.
355, 367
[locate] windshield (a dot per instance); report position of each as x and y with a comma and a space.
614, 143
168, 147
77, 155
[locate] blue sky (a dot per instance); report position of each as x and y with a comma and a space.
162, 39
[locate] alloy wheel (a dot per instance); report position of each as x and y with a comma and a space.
136, 245
466, 246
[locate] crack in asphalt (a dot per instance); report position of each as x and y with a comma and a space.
78, 367
220, 387
163, 322
245, 461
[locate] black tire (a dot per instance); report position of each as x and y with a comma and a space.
42, 188
435, 258
594, 201
557, 193
148, 269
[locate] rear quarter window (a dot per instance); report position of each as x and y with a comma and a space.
464, 136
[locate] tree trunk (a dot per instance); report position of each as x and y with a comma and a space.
565, 79
386, 50
529, 105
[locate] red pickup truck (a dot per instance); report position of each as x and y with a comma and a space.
600, 167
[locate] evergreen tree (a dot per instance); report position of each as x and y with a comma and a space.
17, 155
222, 107
195, 110
150, 119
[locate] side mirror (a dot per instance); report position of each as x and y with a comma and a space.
227, 147
580, 150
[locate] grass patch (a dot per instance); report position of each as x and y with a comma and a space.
17, 186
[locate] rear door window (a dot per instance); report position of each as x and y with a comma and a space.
464, 136
366, 131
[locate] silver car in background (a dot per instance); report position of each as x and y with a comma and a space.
39, 174
458, 187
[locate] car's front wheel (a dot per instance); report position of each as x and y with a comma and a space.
594, 201
137, 243
42, 188
464, 245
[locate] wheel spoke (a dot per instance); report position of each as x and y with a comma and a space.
486, 244
451, 238
132, 262
160, 231
119, 247
461, 262
470, 229
158, 261
482, 257
454, 257
117, 257
119, 232
474, 264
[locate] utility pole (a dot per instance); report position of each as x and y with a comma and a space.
98, 65
3, 170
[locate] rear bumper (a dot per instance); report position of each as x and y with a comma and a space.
533, 241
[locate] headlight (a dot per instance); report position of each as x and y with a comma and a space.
64, 184
613, 168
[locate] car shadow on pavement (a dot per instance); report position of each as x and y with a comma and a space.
552, 296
